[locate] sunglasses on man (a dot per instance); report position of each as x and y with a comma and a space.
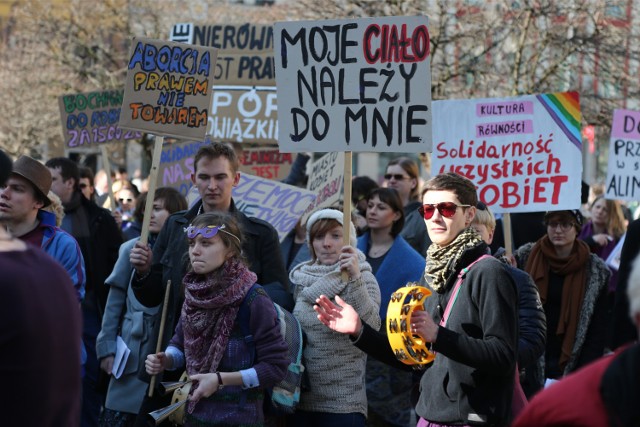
446, 209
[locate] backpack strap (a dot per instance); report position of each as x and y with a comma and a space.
456, 290
243, 316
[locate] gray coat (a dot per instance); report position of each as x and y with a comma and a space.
125, 316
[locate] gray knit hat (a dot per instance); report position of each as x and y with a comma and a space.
331, 214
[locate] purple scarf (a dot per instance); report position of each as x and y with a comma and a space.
210, 307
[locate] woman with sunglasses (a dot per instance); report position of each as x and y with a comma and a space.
125, 317
336, 370
403, 175
470, 320
572, 283
394, 263
208, 339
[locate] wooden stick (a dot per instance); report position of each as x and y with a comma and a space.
346, 205
153, 179
163, 318
506, 228
107, 170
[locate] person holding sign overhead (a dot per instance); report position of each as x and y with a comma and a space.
470, 319
215, 174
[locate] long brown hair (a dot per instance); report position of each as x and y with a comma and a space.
615, 222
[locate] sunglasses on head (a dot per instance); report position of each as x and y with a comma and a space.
396, 176
446, 209
207, 232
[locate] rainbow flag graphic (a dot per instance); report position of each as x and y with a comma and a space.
564, 109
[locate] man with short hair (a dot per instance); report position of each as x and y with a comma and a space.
215, 174
99, 238
86, 183
21, 203
470, 319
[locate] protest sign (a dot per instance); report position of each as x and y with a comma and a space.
92, 118
279, 204
168, 88
176, 165
325, 181
354, 85
623, 181
244, 114
246, 51
523, 153
265, 162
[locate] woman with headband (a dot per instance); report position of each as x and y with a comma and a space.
208, 340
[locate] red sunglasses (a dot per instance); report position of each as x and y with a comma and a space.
446, 209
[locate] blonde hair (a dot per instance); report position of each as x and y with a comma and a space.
484, 217
55, 207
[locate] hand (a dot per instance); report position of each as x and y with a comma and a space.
602, 239
106, 364
207, 384
512, 260
340, 318
140, 257
349, 261
157, 363
422, 324
117, 215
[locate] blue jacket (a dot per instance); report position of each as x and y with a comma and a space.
401, 265
62, 247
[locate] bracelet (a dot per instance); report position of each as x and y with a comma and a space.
220, 384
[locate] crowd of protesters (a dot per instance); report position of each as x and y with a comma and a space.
515, 335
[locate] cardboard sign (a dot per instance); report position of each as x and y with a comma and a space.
92, 118
176, 165
279, 204
325, 181
266, 162
244, 114
354, 85
623, 180
523, 153
168, 88
246, 51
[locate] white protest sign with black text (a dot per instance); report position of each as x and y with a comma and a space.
523, 153
279, 204
354, 85
325, 181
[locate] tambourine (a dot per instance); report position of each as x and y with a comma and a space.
408, 348
175, 411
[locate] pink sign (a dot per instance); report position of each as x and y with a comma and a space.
626, 124
507, 108
484, 130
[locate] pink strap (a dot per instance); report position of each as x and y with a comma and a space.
456, 290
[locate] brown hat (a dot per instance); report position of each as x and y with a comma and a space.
36, 173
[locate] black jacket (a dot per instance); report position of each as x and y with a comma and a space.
531, 318
99, 249
170, 259
471, 379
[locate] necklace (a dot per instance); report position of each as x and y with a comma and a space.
375, 253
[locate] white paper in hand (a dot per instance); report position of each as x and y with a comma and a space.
120, 359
